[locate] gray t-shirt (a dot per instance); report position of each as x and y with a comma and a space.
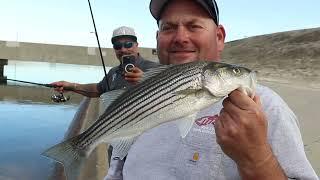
160, 153
116, 77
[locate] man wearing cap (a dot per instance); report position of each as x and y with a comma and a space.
125, 43
237, 138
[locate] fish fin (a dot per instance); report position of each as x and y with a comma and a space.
109, 97
121, 146
153, 71
185, 124
71, 158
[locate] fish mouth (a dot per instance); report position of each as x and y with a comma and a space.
247, 86
250, 89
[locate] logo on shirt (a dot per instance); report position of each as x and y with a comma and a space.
206, 120
205, 124
195, 158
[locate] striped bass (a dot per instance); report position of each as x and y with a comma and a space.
166, 94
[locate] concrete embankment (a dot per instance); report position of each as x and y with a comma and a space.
96, 166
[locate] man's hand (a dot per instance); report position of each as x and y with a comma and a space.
241, 131
134, 76
62, 86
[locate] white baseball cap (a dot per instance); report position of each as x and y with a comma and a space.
123, 31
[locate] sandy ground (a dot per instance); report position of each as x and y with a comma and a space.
303, 97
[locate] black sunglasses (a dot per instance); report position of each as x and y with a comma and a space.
119, 45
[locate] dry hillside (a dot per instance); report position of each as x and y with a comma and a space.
286, 55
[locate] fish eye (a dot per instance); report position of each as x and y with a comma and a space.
236, 70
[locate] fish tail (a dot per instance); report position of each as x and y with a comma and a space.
70, 156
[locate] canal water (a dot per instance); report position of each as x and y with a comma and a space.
29, 125
27, 129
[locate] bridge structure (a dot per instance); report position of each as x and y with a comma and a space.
24, 51
53, 53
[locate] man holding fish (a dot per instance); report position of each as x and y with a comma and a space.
196, 119
239, 138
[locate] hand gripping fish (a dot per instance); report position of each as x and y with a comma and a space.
165, 94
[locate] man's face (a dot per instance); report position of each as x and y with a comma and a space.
187, 33
125, 46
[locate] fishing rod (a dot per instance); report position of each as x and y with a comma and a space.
28, 82
58, 98
96, 33
45, 85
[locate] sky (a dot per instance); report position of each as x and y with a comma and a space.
69, 22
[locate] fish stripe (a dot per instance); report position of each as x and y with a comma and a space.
143, 92
134, 96
137, 96
116, 122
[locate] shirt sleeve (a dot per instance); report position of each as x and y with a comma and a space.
285, 137
102, 86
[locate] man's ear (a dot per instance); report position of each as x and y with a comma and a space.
221, 35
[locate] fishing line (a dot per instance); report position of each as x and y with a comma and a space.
96, 33
46, 85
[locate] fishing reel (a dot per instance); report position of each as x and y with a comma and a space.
59, 98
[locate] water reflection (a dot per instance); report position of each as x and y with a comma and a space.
26, 130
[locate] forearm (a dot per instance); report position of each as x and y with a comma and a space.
267, 169
89, 90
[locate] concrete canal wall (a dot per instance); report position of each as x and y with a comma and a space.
96, 165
